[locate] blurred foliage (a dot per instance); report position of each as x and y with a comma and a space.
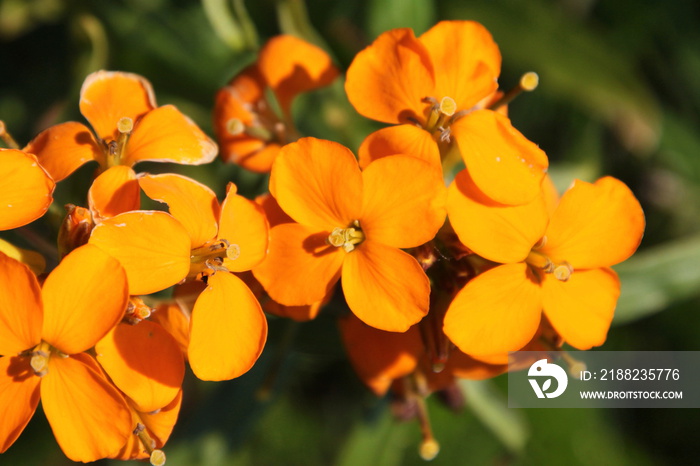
619, 94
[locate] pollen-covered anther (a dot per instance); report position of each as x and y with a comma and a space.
235, 127
125, 125
157, 458
347, 238
40, 363
429, 449
448, 106
233, 252
563, 271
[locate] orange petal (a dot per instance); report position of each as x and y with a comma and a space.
173, 319
595, 225
190, 202
379, 357
505, 165
466, 59
144, 362
31, 259
108, 96
318, 183
243, 223
401, 139
273, 212
26, 189
21, 312
228, 329
500, 233
114, 192
84, 297
310, 267
88, 416
398, 213
496, 312
166, 135
19, 397
292, 66
153, 247
388, 80
385, 287
581, 309
62, 148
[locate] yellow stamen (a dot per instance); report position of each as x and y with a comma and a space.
448, 106
540, 261
528, 82
116, 149
347, 238
235, 127
233, 252
563, 271
157, 457
210, 256
40, 359
429, 449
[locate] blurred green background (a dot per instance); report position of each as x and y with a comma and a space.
619, 95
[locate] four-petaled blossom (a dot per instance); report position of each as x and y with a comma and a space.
44, 333
128, 128
556, 263
248, 129
433, 87
352, 224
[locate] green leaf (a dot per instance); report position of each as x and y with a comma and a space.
657, 277
389, 14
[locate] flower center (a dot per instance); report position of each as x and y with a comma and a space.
40, 355
440, 115
562, 271
211, 256
116, 149
346, 238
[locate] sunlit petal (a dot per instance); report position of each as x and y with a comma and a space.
144, 361
300, 268
400, 139
19, 397
243, 223
84, 297
506, 166
582, 308
21, 312
190, 202
496, 312
228, 329
113, 192
595, 225
62, 148
318, 183
153, 247
88, 416
166, 135
27, 189
31, 259
385, 287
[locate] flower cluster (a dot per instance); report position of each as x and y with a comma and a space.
442, 274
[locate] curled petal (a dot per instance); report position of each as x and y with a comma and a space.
497, 232
506, 166
144, 361
228, 329
496, 312
114, 192
190, 202
27, 189
385, 287
400, 139
88, 416
63, 148
388, 80
595, 225
292, 66
21, 313
19, 397
310, 266
153, 247
317, 183
581, 309
400, 213
108, 96
84, 297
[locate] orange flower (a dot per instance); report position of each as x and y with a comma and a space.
556, 263
129, 128
434, 87
201, 239
248, 129
43, 336
27, 189
351, 224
